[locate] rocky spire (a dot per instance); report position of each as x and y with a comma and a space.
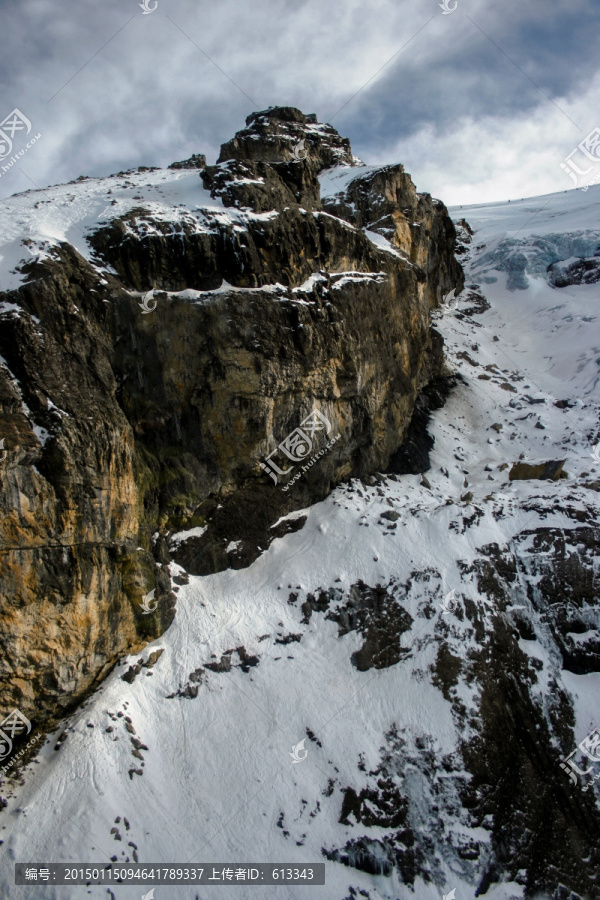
273, 136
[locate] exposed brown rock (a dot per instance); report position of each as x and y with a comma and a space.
552, 469
158, 423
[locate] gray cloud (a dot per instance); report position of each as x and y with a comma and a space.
467, 123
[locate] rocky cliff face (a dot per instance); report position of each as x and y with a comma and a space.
127, 419
71, 567
385, 201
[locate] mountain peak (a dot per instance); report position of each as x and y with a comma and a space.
272, 135
282, 114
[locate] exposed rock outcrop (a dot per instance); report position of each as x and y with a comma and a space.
123, 428
385, 201
550, 469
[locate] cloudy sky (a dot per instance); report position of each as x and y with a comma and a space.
479, 104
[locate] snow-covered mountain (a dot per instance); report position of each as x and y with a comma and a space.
431, 641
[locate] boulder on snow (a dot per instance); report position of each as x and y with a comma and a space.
552, 469
196, 161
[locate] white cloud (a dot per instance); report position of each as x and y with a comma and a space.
497, 159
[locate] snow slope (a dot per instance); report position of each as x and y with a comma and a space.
34, 222
218, 783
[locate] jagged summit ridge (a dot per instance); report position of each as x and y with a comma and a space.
275, 161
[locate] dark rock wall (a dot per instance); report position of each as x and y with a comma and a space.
150, 424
